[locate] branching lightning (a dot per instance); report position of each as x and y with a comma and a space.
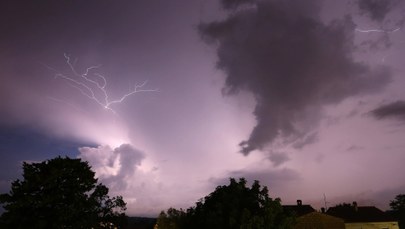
386, 31
93, 85
377, 30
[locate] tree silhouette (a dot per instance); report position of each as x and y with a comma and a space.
398, 207
233, 206
60, 193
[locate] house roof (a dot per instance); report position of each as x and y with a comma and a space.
320, 221
351, 214
298, 210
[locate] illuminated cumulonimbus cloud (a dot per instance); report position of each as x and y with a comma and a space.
291, 61
114, 166
120, 169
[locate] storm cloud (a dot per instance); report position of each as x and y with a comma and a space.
113, 166
278, 158
376, 9
294, 66
292, 63
391, 110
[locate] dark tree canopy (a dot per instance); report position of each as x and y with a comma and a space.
60, 193
398, 208
233, 206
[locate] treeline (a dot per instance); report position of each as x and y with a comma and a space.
140, 223
64, 193
234, 206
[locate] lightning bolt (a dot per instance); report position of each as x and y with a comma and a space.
93, 85
377, 30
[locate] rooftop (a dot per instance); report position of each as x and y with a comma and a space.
354, 213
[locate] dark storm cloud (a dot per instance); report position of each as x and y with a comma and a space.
309, 139
391, 110
232, 4
65, 22
376, 9
278, 158
354, 148
293, 64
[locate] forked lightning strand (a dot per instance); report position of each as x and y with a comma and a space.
377, 30
95, 89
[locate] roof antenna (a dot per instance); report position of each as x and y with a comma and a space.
325, 202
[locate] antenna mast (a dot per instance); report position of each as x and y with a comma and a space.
325, 202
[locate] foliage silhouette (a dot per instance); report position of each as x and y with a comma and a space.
60, 193
398, 209
233, 206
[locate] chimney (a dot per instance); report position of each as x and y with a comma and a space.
355, 206
299, 202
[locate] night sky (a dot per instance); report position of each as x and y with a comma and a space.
168, 99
